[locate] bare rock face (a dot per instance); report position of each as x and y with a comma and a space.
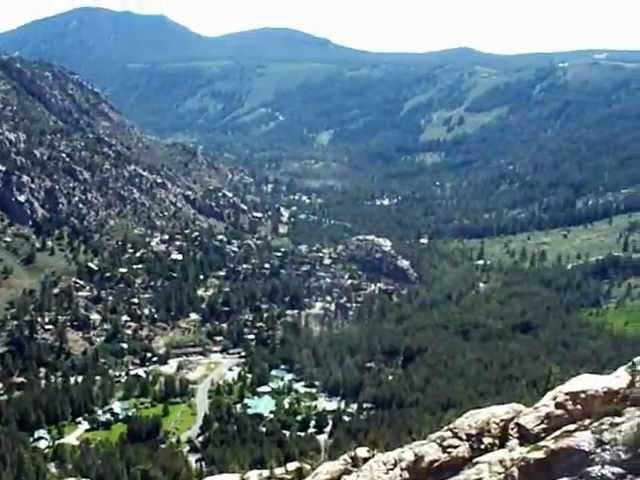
585, 429
67, 157
343, 466
376, 255
442, 454
566, 453
585, 396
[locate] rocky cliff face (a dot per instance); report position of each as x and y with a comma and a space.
67, 157
586, 429
376, 256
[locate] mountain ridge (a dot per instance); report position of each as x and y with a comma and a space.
463, 118
166, 40
94, 12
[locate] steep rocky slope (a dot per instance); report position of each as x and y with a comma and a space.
67, 157
585, 429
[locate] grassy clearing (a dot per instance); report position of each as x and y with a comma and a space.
439, 129
625, 319
592, 241
483, 80
622, 319
416, 101
180, 418
28, 277
279, 76
112, 435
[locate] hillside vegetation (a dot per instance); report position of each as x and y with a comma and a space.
617, 235
391, 241
477, 144
231, 89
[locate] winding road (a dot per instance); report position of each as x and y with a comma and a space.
201, 398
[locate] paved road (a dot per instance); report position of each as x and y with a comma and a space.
202, 394
201, 400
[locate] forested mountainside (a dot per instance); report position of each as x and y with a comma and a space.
106, 236
474, 144
136, 274
279, 89
168, 314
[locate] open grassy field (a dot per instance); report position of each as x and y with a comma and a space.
27, 277
623, 319
592, 241
269, 79
437, 129
111, 435
180, 418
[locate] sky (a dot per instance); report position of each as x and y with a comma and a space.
498, 26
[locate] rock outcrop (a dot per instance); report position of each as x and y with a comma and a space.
583, 397
375, 255
585, 429
67, 157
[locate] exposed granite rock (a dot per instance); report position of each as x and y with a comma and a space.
441, 455
336, 469
376, 255
69, 158
585, 396
585, 429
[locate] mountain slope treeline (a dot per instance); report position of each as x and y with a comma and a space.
73, 170
476, 144
272, 84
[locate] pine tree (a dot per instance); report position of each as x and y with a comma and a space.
522, 257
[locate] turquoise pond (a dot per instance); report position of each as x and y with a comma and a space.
263, 405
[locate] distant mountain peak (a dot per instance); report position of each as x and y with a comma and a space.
90, 35
92, 13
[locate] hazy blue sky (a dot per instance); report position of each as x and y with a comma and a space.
504, 26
